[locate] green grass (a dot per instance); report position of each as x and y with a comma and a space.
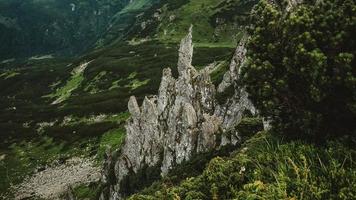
218, 74
136, 5
217, 23
267, 167
87, 191
9, 74
119, 118
200, 11
115, 85
92, 86
111, 139
63, 93
215, 45
136, 83
177, 16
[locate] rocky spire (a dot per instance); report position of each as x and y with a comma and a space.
183, 120
185, 57
236, 63
232, 110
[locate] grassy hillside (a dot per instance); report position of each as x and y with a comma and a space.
216, 22
212, 23
268, 167
54, 109
57, 108
73, 26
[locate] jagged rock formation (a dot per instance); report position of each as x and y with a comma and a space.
232, 111
183, 120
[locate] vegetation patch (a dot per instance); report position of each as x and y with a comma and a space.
92, 86
136, 5
267, 167
218, 74
89, 191
222, 97
111, 139
63, 93
9, 74
301, 68
134, 84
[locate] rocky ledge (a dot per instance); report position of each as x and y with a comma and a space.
183, 120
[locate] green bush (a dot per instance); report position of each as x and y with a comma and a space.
268, 168
301, 67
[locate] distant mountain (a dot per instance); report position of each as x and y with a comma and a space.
70, 27
66, 27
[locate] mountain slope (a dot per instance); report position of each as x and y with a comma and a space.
92, 113
189, 119
265, 167
63, 113
31, 28
66, 27
216, 22
54, 108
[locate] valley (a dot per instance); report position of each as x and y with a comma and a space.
58, 109
176, 99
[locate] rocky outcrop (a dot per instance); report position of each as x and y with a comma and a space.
232, 111
189, 116
183, 120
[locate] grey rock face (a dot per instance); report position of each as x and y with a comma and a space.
232, 111
183, 120
237, 62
